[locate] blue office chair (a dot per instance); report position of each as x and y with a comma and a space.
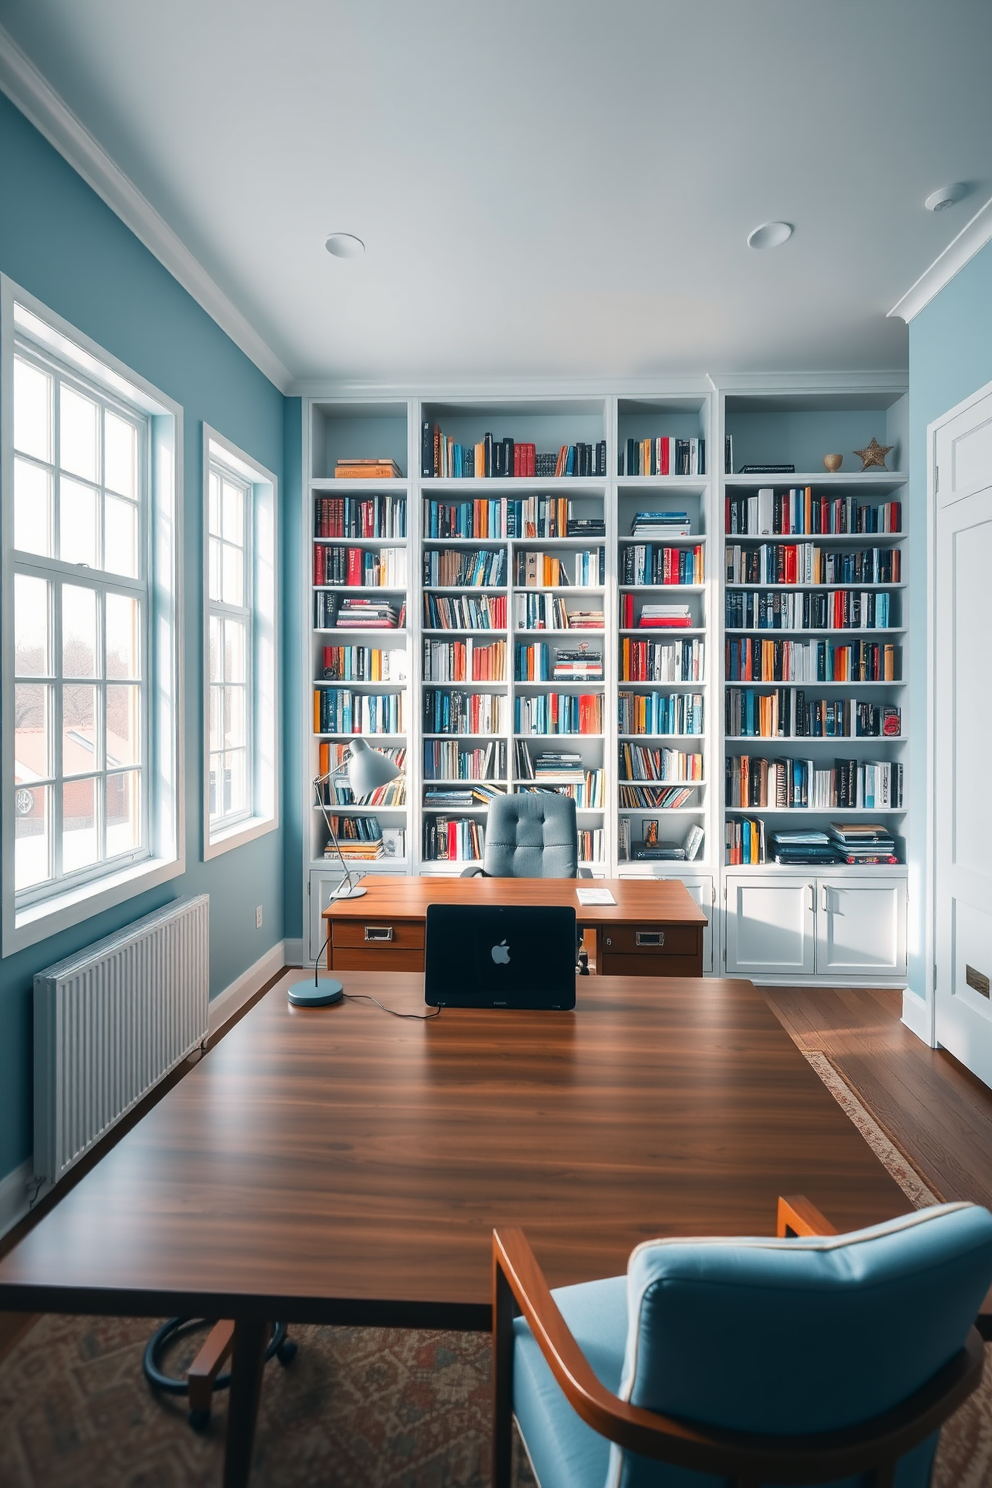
531, 835
809, 1358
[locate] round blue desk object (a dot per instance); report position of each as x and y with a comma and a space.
324, 994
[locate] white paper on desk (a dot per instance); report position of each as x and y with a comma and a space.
595, 896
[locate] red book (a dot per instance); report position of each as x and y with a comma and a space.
318, 563
627, 620
666, 458
354, 566
518, 451
664, 622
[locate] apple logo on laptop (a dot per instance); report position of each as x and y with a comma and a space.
501, 954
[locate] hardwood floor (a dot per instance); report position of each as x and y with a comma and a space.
930, 1106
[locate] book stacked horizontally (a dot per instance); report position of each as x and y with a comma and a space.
660, 852
561, 765
663, 616
461, 796
585, 527
863, 842
806, 848
660, 524
585, 620
376, 469
578, 665
357, 614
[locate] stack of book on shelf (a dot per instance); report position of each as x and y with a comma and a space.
338, 792
559, 713
592, 844
655, 797
447, 841
362, 664
807, 563
359, 516
653, 616
464, 661
466, 611
461, 797
835, 609
580, 527
660, 713
661, 661
359, 567
578, 664
752, 659
441, 456
337, 710
547, 763
463, 712
359, 837
549, 612
382, 468
660, 524
637, 762
663, 456
863, 842
448, 568
643, 563
652, 850
588, 793
798, 513
744, 842
335, 611
444, 760
802, 848
544, 570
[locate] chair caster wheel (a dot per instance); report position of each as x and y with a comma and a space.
199, 1420
286, 1352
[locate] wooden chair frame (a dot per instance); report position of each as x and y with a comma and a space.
749, 1460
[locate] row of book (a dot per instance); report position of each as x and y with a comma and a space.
441, 456
359, 838
559, 713
507, 516
544, 663
637, 762
783, 783
359, 516
807, 563
663, 455
550, 612
746, 842
336, 710
376, 467
465, 612
652, 849
833, 609
588, 569
450, 712
454, 568
660, 713
450, 796
547, 764
453, 840
752, 660
362, 664
655, 797
464, 661
644, 563
375, 568
798, 513
335, 610
635, 614
338, 792
444, 759
662, 661
589, 793
788, 713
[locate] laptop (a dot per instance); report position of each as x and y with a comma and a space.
483, 956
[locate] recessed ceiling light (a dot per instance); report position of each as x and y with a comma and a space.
770, 235
345, 245
946, 196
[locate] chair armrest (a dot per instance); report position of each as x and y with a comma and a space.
472, 873
798, 1216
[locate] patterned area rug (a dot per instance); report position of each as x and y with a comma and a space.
358, 1408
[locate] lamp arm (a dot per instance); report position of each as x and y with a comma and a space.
320, 780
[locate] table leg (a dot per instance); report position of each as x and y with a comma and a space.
251, 1337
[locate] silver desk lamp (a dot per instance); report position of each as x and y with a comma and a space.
366, 770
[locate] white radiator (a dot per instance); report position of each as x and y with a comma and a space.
110, 1022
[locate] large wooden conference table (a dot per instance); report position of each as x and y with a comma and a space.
339, 1165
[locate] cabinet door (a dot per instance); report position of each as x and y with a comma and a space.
770, 926
701, 890
861, 926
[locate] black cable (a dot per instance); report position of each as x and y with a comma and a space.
367, 997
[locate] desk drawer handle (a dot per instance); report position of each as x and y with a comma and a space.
378, 932
649, 937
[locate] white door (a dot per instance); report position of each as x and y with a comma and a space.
861, 927
770, 926
963, 735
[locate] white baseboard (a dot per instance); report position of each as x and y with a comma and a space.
916, 1016
226, 1003
14, 1195
296, 953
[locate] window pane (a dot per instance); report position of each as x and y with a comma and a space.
123, 737
120, 537
79, 652
233, 562
213, 518
32, 760
79, 533
120, 453
234, 514
79, 736
234, 651
32, 508
216, 714
235, 782
31, 604
79, 434
234, 717
32, 835
123, 636
213, 578
123, 813
32, 410
216, 674
80, 839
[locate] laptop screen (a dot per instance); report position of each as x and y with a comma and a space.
500, 956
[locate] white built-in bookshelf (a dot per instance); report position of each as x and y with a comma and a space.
520, 658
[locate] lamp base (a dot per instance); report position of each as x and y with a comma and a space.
324, 994
355, 892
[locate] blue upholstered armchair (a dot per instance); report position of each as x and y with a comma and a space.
531, 835
812, 1357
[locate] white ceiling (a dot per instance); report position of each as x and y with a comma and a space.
546, 188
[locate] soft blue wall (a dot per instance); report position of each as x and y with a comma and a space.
950, 356
59, 241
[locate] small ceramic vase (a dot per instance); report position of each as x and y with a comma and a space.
832, 462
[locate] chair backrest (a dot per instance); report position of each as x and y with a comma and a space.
532, 835
799, 1335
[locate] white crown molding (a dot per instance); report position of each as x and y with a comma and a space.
29, 91
886, 380
972, 237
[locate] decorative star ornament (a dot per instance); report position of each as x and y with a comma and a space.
874, 454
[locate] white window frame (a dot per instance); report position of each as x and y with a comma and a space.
36, 915
264, 701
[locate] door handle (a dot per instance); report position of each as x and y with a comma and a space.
812, 899
823, 897
378, 932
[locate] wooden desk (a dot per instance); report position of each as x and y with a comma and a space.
655, 928
338, 1165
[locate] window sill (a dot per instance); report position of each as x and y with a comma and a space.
36, 922
223, 841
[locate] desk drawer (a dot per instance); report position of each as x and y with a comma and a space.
650, 940
654, 966
378, 934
